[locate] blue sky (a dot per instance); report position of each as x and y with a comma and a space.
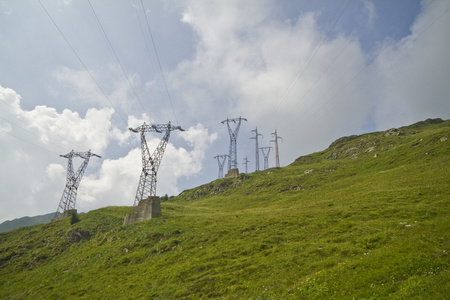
77, 74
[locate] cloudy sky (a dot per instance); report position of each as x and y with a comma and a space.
77, 74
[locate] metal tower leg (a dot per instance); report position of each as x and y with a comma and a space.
68, 199
150, 163
266, 156
232, 162
256, 148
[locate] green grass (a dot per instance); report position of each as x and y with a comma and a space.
337, 224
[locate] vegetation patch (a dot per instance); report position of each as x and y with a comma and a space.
354, 225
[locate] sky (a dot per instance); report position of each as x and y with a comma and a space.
77, 74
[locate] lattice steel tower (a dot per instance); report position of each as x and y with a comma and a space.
221, 162
150, 163
256, 148
232, 160
277, 155
266, 156
73, 180
246, 161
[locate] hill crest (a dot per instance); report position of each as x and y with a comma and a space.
360, 227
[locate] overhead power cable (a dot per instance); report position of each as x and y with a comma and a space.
159, 62
115, 54
31, 143
50, 137
81, 61
147, 48
366, 65
315, 49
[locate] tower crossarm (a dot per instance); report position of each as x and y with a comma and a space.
234, 133
79, 173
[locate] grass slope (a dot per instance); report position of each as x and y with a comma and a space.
366, 218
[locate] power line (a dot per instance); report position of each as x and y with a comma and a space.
115, 54
315, 49
58, 144
147, 48
159, 62
17, 137
81, 61
366, 65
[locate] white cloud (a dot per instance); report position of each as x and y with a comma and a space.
411, 76
114, 184
55, 171
249, 62
90, 132
32, 180
117, 180
273, 73
370, 11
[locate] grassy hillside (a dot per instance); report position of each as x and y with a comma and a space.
366, 218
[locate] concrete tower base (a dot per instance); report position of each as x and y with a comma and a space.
146, 210
232, 173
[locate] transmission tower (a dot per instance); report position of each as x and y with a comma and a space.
150, 163
246, 161
73, 179
256, 148
266, 156
232, 161
275, 140
221, 161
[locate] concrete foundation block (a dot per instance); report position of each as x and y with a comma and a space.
146, 210
232, 173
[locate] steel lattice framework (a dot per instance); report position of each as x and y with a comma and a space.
150, 163
266, 156
256, 148
246, 161
275, 140
221, 162
232, 161
73, 180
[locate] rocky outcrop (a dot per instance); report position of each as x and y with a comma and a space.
76, 235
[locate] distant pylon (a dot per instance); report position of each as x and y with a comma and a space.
73, 180
232, 160
150, 163
246, 161
266, 156
221, 162
277, 155
256, 148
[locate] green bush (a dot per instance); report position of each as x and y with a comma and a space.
74, 218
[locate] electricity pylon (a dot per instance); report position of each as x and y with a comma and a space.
221, 161
256, 148
73, 180
150, 163
246, 161
266, 156
232, 160
275, 140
